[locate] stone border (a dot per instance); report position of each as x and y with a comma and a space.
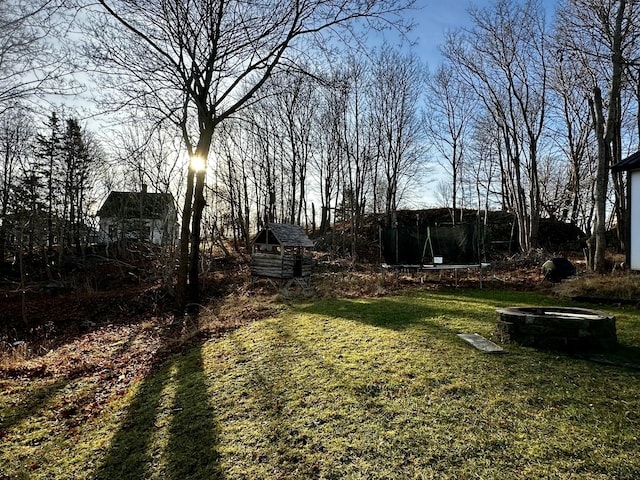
557, 328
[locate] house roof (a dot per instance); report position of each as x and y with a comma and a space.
632, 162
284, 234
136, 205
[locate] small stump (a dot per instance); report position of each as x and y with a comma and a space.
557, 328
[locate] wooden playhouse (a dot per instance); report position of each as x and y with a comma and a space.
281, 253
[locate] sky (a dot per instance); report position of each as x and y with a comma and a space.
434, 18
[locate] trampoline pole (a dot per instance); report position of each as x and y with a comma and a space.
397, 246
418, 232
380, 243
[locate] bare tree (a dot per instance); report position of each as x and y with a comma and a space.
264, 154
146, 154
198, 62
503, 56
331, 157
359, 147
480, 173
295, 107
32, 63
572, 134
16, 134
603, 38
448, 119
397, 82
345, 160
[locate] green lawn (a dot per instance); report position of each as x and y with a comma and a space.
345, 388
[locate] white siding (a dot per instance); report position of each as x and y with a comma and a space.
635, 219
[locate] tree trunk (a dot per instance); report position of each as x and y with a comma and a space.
188, 286
608, 137
193, 292
598, 242
183, 255
534, 197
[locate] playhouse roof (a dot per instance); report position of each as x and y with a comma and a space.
284, 234
632, 162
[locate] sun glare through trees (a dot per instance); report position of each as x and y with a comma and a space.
271, 218
197, 163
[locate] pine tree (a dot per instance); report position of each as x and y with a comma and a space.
77, 164
49, 148
29, 205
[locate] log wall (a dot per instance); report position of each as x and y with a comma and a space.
278, 266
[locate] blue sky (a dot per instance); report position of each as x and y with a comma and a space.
435, 17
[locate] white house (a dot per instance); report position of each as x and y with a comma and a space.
144, 216
631, 165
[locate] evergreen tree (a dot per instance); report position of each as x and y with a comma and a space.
49, 148
77, 166
29, 206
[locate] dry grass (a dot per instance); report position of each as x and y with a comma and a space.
617, 285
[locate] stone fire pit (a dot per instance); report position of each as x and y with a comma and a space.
557, 328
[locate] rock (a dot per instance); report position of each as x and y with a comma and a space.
557, 269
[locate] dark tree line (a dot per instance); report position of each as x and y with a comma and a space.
46, 185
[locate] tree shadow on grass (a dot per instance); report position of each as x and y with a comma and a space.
129, 452
193, 436
626, 356
377, 312
390, 313
39, 399
191, 447
393, 313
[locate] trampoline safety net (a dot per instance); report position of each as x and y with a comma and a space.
454, 244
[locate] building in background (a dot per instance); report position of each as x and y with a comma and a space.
142, 216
